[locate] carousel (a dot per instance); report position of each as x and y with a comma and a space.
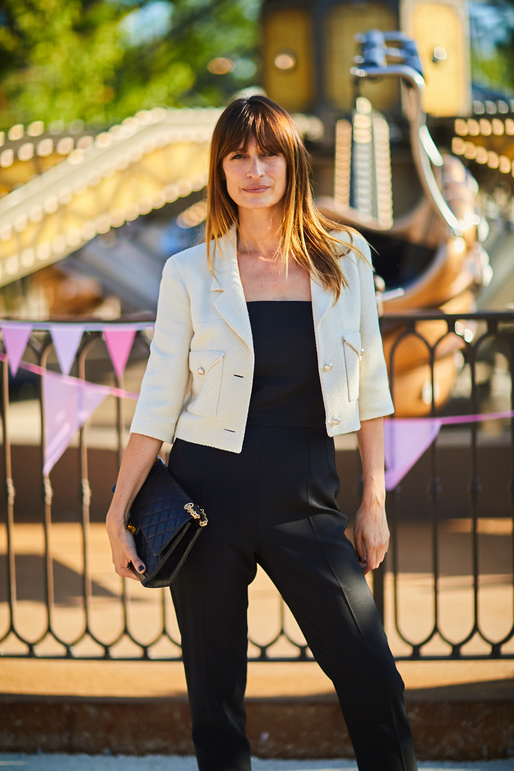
431, 256
88, 217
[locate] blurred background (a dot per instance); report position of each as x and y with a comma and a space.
102, 93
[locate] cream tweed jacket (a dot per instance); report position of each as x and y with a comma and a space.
198, 380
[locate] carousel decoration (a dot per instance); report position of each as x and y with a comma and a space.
63, 191
428, 258
64, 187
394, 136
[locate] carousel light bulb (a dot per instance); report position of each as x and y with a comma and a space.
16, 132
65, 146
482, 155
505, 164
7, 158
11, 265
26, 151
45, 147
285, 61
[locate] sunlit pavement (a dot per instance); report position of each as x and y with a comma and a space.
174, 763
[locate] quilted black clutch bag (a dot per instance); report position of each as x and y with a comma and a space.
165, 524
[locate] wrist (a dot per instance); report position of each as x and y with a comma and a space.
374, 497
373, 486
116, 520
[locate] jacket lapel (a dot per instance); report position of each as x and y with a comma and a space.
322, 302
229, 299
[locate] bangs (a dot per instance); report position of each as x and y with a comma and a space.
272, 130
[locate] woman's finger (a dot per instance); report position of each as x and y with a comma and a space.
128, 568
135, 561
126, 560
370, 553
126, 572
360, 548
376, 554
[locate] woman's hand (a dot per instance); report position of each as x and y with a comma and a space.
371, 535
138, 458
124, 555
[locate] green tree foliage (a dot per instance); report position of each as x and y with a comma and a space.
492, 44
102, 60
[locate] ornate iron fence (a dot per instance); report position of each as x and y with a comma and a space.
446, 591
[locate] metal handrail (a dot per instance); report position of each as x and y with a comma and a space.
374, 64
122, 638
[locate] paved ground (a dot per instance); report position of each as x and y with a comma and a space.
174, 763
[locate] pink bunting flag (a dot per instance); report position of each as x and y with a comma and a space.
16, 337
405, 441
66, 339
67, 404
119, 344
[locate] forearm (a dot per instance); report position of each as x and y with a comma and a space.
370, 438
137, 461
371, 532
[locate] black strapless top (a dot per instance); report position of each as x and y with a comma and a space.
286, 385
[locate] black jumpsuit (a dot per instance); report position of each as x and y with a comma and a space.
274, 504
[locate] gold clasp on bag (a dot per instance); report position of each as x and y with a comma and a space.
189, 507
131, 528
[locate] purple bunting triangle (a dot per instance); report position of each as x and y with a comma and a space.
405, 441
16, 337
119, 344
66, 339
67, 404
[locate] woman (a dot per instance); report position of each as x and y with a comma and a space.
267, 345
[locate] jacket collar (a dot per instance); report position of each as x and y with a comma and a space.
322, 302
231, 304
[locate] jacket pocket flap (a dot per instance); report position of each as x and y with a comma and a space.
204, 360
353, 341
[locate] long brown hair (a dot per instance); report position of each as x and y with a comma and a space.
305, 232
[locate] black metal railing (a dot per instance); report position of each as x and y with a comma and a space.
446, 591
462, 510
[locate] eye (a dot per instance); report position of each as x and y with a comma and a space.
237, 156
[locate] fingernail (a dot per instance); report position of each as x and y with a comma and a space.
141, 568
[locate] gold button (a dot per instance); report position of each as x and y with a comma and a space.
201, 371
327, 367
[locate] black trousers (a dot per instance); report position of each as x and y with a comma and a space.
274, 505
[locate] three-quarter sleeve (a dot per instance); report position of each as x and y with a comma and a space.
374, 394
166, 381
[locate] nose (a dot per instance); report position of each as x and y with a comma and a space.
255, 168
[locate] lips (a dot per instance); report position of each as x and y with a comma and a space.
259, 189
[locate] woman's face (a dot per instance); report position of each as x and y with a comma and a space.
255, 179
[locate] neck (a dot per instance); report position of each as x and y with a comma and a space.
259, 230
